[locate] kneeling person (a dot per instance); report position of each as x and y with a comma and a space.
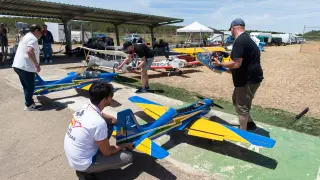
86, 142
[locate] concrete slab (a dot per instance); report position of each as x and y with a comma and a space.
31, 145
294, 152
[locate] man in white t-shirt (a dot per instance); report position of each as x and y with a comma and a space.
26, 64
86, 142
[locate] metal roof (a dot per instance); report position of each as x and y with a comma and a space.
43, 9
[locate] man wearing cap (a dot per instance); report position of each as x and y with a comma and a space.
146, 55
246, 72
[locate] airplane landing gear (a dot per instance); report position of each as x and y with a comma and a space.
174, 70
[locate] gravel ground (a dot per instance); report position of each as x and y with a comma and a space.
291, 80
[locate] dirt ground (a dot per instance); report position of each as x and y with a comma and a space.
311, 47
292, 80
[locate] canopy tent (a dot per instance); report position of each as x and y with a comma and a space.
195, 27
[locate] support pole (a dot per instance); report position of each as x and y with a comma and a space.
152, 35
117, 33
67, 32
82, 33
91, 29
304, 28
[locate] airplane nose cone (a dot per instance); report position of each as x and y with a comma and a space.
208, 101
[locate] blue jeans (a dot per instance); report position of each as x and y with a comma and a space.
27, 80
47, 50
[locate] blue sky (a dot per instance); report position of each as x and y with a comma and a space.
273, 15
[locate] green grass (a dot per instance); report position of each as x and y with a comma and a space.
276, 117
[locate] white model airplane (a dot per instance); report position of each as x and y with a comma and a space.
171, 63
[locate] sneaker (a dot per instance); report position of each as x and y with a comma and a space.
251, 126
141, 90
50, 61
147, 87
33, 107
46, 62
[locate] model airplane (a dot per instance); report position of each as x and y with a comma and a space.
206, 59
204, 56
73, 80
171, 63
189, 119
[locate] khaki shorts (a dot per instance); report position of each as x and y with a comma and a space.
148, 64
242, 98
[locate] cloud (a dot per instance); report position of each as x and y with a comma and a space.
273, 15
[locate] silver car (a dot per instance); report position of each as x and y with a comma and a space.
130, 37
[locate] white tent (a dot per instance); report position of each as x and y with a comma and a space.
195, 27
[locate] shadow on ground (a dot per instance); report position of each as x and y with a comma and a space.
165, 74
222, 147
141, 163
49, 104
259, 130
142, 115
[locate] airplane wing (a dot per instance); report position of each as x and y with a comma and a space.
211, 130
152, 109
151, 148
197, 49
107, 52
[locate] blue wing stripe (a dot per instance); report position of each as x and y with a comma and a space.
254, 139
137, 99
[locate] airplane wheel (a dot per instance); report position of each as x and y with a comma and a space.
90, 69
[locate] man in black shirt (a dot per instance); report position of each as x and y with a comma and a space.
147, 57
246, 72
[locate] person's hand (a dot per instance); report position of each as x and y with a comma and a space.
38, 68
129, 146
216, 62
119, 67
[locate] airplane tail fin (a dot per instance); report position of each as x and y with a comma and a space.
38, 80
151, 148
126, 124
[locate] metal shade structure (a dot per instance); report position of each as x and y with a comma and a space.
67, 12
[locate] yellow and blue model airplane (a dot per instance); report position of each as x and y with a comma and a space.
73, 80
189, 119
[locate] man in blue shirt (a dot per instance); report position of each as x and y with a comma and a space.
47, 39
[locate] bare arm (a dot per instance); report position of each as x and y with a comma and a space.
106, 149
32, 56
234, 64
109, 119
124, 62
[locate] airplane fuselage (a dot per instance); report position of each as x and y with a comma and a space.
182, 119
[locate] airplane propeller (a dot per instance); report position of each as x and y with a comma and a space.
213, 104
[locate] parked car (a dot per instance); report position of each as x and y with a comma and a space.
131, 37
99, 35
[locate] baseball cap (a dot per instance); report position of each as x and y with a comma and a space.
127, 44
237, 22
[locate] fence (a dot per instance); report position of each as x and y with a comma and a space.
311, 42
